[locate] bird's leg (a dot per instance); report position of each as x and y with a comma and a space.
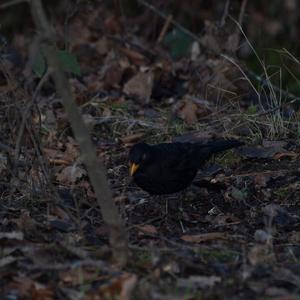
166, 206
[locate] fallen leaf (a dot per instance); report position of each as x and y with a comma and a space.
102, 46
7, 260
70, 174
29, 289
290, 154
225, 220
13, 235
203, 237
113, 76
190, 109
135, 57
128, 286
140, 86
132, 138
188, 112
261, 180
112, 25
78, 32
121, 288
147, 229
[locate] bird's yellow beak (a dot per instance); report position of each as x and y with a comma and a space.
133, 168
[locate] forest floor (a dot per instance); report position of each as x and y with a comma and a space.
233, 234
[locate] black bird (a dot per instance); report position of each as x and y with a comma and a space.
170, 167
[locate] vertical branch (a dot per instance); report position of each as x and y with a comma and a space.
95, 167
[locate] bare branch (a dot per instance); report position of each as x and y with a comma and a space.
95, 168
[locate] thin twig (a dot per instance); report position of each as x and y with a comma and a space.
225, 13
26, 112
242, 11
164, 29
242, 71
165, 17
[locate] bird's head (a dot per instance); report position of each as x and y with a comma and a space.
139, 156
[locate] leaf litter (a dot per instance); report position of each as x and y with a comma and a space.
234, 236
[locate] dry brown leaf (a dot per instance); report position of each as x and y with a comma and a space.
41, 292
70, 174
127, 288
121, 288
189, 112
59, 213
140, 86
102, 46
132, 138
261, 180
226, 219
136, 57
190, 109
147, 229
23, 286
113, 25
113, 76
78, 32
290, 154
93, 83
52, 153
86, 185
71, 153
29, 289
203, 237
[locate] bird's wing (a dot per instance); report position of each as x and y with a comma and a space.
177, 156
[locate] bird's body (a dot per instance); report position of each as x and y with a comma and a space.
171, 167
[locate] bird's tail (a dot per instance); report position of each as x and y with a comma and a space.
219, 146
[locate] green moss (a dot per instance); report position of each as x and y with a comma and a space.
282, 193
142, 259
217, 255
228, 158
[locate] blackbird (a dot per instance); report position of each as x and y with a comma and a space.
168, 168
